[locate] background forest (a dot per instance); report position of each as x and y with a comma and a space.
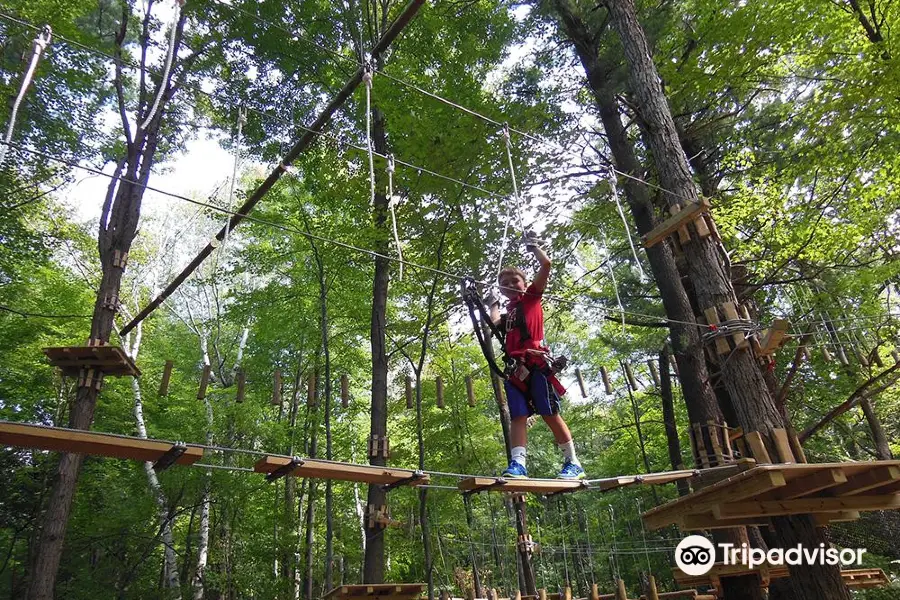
788, 112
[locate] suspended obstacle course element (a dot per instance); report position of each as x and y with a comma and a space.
690, 594
535, 486
276, 389
855, 578
277, 466
345, 391
470, 391
381, 591
828, 491
167, 375
97, 357
204, 382
77, 441
581, 385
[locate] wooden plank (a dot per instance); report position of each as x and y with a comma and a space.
321, 469
439, 391
166, 376
823, 519
581, 385
748, 484
731, 314
674, 222
345, 391
713, 430
868, 480
409, 391
532, 486
774, 337
801, 506
604, 374
712, 318
808, 484
241, 386
77, 441
630, 376
701, 453
757, 447
783, 446
709, 521
204, 382
470, 390
654, 371
276, 389
383, 591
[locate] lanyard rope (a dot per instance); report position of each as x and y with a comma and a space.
40, 43
367, 79
392, 204
615, 193
167, 70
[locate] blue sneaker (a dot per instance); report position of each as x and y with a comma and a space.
515, 471
571, 471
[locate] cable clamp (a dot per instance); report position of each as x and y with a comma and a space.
43, 39
505, 132
498, 482
171, 455
285, 470
390, 163
368, 70
416, 476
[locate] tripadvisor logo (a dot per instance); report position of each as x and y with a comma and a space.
695, 555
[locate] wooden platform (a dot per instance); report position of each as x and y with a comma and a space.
529, 486
855, 578
830, 491
87, 442
344, 472
382, 591
111, 360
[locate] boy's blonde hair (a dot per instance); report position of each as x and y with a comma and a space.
512, 270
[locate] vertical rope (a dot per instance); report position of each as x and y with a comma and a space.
613, 550
512, 176
615, 193
367, 79
587, 532
392, 203
40, 43
170, 55
563, 538
644, 535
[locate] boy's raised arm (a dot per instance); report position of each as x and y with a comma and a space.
543, 275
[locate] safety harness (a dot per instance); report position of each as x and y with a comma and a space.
517, 366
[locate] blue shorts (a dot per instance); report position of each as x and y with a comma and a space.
542, 398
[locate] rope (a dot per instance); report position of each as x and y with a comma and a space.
512, 177
170, 55
367, 79
615, 193
40, 43
590, 550
643, 535
612, 276
392, 204
612, 552
563, 537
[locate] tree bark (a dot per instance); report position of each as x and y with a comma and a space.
879, 438
751, 398
668, 410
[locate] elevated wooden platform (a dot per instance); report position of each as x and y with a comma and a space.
383, 591
528, 486
59, 439
111, 360
322, 469
855, 578
830, 491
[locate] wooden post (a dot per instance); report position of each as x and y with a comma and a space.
581, 382
409, 391
470, 390
167, 374
567, 593
652, 593
204, 382
842, 356
631, 380
518, 595
606, 384
311, 390
595, 592
621, 594
876, 358
654, 372
276, 389
439, 382
542, 594
826, 355
241, 386
345, 391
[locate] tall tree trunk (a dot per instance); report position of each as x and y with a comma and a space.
311, 493
198, 581
373, 570
668, 410
751, 398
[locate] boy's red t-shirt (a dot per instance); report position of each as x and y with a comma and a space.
529, 304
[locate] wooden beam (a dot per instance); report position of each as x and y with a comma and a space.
604, 374
470, 390
345, 391
321, 469
783, 446
276, 389
801, 506
581, 385
77, 441
111, 360
382, 591
773, 337
867, 480
709, 521
823, 519
748, 484
757, 447
687, 214
809, 484
532, 486
204, 382
166, 376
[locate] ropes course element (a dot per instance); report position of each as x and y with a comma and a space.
167, 70
40, 44
367, 80
615, 192
392, 205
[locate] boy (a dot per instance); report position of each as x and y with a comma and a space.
531, 388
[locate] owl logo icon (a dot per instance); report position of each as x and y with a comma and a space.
695, 555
